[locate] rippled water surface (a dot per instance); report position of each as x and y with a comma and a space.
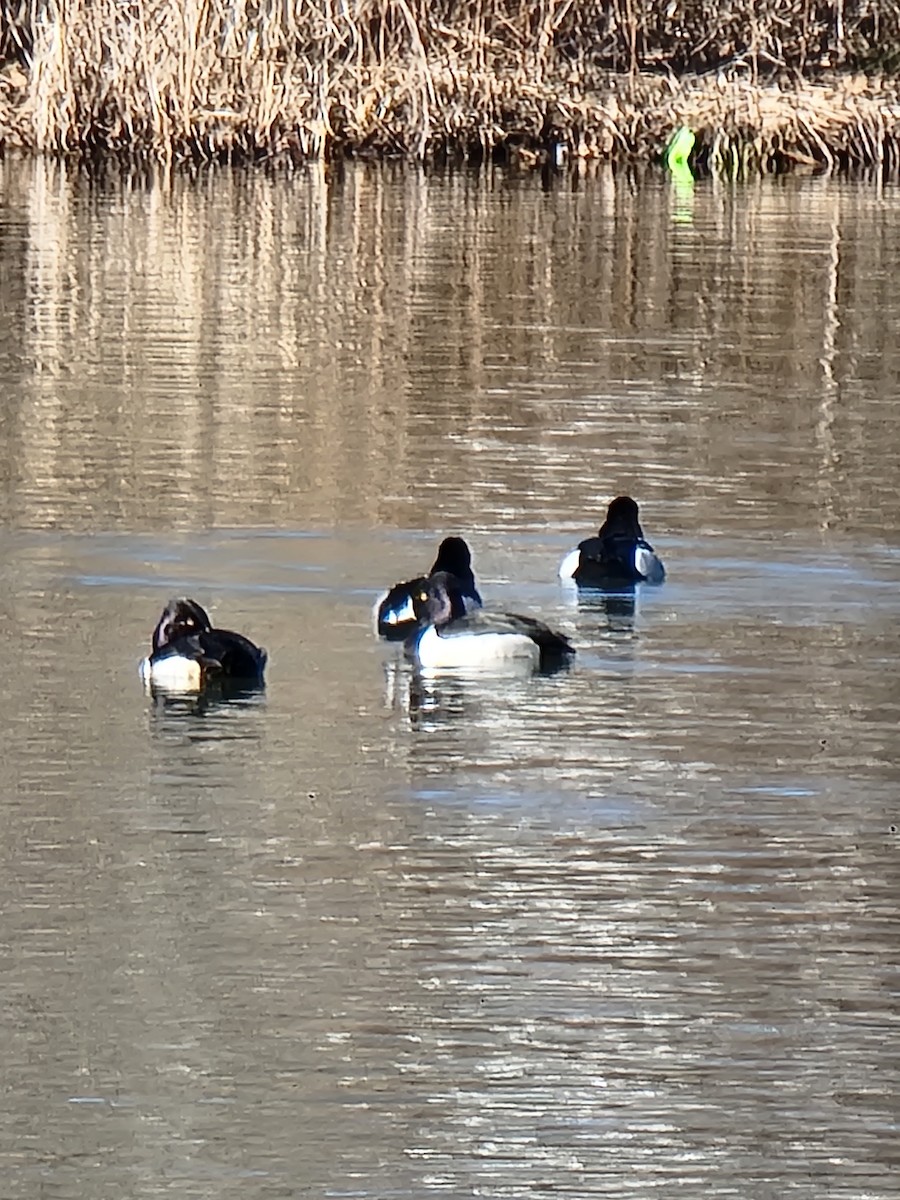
626, 930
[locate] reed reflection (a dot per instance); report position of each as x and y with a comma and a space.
388, 319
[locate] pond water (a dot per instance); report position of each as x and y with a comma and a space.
629, 929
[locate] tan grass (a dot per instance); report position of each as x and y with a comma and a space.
297, 79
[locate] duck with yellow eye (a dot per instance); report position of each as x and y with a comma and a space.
451, 638
395, 617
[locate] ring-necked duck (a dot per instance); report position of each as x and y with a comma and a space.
449, 636
395, 612
619, 556
189, 653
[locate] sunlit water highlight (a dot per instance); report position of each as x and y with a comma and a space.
622, 929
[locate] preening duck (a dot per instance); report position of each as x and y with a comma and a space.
449, 636
188, 652
618, 557
395, 611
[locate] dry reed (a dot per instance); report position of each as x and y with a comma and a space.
764, 86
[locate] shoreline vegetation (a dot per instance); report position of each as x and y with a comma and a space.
772, 86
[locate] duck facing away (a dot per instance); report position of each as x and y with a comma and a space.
188, 653
618, 557
395, 613
449, 636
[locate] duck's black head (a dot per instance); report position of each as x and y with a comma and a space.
454, 557
439, 599
180, 617
622, 518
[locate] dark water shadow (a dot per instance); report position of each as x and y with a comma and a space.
219, 704
617, 609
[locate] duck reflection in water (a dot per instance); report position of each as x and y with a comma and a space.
439, 701
619, 608
220, 696
207, 741
432, 702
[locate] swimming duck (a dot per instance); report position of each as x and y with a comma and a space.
618, 557
395, 612
189, 653
451, 636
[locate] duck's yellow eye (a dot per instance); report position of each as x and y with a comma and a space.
423, 595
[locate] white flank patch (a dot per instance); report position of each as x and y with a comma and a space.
647, 564
569, 564
475, 651
393, 616
406, 613
173, 673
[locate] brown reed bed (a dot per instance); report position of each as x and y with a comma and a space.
764, 86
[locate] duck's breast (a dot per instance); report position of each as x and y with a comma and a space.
172, 672
570, 563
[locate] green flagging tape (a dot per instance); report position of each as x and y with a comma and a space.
678, 151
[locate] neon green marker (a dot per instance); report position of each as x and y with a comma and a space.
678, 151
